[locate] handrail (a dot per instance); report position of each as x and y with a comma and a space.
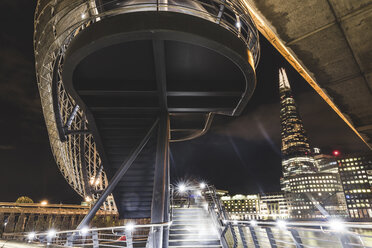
164, 224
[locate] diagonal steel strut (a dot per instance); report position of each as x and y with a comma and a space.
116, 178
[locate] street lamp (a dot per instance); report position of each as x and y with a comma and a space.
182, 188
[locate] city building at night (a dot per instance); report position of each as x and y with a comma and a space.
316, 196
265, 206
242, 207
273, 206
310, 180
295, 146
326, 163
356, 178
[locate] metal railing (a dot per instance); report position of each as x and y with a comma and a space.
130, 235
281, 233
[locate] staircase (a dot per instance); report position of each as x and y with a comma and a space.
193, 227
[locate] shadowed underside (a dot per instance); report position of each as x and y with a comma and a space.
126, 70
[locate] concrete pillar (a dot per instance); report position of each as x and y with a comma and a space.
30, 225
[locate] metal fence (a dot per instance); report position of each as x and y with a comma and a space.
288, 234
297, 234
130, 235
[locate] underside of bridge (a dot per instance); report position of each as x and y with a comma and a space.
329, 43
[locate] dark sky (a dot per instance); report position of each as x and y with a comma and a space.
241, 154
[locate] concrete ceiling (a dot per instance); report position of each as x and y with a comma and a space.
330, 43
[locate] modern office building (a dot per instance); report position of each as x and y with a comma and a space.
316, 196
295, 146
326, 163
356, 178
242, 207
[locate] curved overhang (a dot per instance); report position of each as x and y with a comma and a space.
198, 36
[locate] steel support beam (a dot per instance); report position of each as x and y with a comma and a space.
161, 184
242, 236
271, 238
71, 117
254, 237
296, 238
117, 177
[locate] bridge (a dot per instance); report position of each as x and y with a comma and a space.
119, 80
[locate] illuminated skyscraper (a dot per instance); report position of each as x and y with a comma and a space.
296, 151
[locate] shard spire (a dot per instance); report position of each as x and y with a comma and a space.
283, 80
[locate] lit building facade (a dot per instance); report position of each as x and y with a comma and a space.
316, 196
356, 178
270, 206
242, 207
326, 163
273, 206
295, 146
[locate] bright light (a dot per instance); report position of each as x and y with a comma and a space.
182, 188
281, 224
51, 233
336, 153
84, 230
337, 225
88, 199
202, 185
253, 223
44, 202
31, 236
198, 193
235, 222
238, 24
82, 16
129, 226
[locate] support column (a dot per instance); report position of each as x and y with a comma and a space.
161, 183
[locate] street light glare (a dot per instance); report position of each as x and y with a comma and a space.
337, 225
44, 202
129, 226
31, 236
202, 185
182, 187
84, 230
51, 233
253, 223
281, 224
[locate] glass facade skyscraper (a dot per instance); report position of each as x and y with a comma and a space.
295, 147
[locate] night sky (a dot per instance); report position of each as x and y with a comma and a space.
240, 154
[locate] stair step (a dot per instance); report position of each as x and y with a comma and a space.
192, 222
194, 243
193, 246
189, 232
188, 236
